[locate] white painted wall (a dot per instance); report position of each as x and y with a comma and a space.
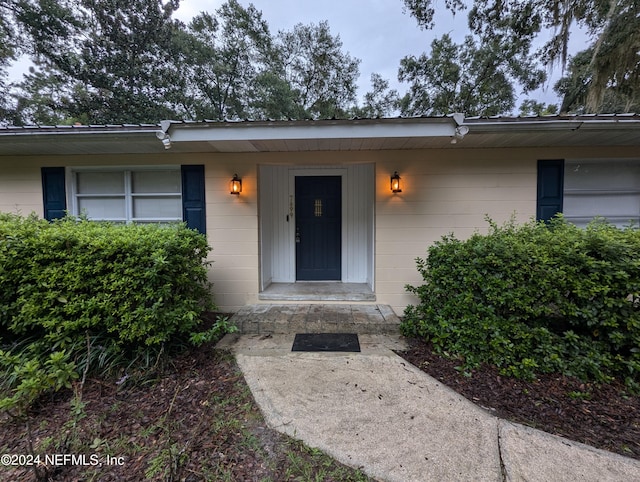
276, 229
358, 258
444, 191
20, 187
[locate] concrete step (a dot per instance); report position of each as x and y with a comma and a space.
316, 318
318, 291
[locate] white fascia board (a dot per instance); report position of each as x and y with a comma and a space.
489, 126
553, 124
250, 132
58, 131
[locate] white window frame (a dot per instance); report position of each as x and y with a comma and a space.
128, 194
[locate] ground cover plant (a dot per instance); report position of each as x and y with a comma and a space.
535, 298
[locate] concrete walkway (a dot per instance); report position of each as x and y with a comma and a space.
375, 411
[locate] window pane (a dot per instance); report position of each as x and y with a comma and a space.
157, 207
602, 175
102, 208
106, 182
606, 188
603, 205
156, 181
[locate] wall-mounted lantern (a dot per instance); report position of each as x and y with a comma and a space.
235, 185
395, 183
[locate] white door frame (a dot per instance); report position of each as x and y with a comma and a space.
276, 212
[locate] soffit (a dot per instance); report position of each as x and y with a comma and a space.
353, 135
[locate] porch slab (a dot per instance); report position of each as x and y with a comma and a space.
316, 318
318, 291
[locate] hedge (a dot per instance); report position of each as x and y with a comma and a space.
535, 298
75, 288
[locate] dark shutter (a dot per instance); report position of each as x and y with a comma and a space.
53, 193
550, 188
193, 203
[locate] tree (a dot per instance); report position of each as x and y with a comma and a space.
474, 78
115, 56
237, 69
321, 76
223, 58
19, 37
575, 88
43, 97
380, 101
11, 46
613, 27
532, 107
272, 97
615, 63
128, 61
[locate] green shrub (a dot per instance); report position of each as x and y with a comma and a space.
535, 298
96, 294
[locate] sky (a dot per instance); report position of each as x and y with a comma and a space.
378, 32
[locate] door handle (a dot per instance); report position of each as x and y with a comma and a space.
297, 235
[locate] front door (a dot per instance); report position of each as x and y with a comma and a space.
318, 228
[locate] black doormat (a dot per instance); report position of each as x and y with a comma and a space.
326, 342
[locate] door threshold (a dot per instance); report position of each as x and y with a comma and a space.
318, 291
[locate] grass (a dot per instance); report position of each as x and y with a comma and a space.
309, 464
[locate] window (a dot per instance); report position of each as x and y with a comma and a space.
157, 194
606, 188
128, 195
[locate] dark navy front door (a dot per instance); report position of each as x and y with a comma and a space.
318, 228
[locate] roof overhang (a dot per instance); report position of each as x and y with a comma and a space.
446, 132
554, 131
79, 139
354, 134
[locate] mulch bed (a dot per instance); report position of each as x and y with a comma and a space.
605, 416
193, 421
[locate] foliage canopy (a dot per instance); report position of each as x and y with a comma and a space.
132, 62
610, 66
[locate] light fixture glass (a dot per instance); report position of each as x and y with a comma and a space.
235, 186
395, 183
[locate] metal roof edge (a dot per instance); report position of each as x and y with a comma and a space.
476, 124
78, 130
457, 117
169, 123
566, 118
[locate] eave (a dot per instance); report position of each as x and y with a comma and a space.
330, 135
399, 133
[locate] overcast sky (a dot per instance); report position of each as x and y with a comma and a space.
377, 32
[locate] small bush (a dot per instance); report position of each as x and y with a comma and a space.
95, 295
535, 298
